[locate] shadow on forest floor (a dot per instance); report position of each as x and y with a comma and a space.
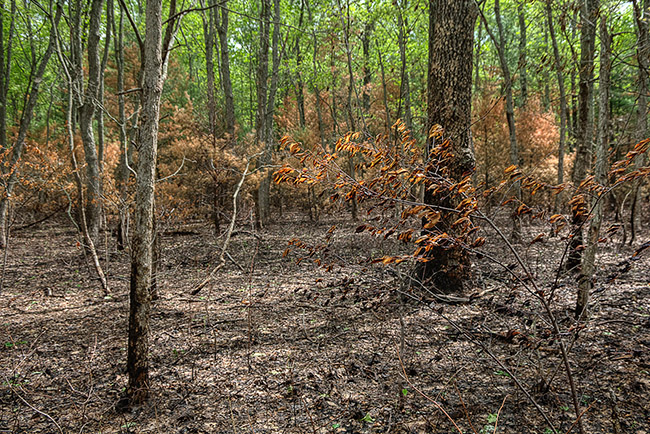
289, 348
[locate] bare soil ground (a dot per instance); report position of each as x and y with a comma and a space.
271, 346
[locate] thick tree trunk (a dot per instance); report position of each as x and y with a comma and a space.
141, 259
449, 92
585, 281
563, 104
209, 36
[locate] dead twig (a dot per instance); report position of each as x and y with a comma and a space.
42, 413
226, 242
424, 395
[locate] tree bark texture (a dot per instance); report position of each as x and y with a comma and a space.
123, 173
449, 91
641, 16
584, 134
262, 101
141, 260
586, 278
86, 114
208, 35
584, 137
221, 21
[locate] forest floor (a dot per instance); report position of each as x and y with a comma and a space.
272, 346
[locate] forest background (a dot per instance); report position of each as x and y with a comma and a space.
558, 118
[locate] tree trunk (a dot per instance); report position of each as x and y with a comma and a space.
141, 259
584, 136
262, 204
266, 103
585, 280
123, 172
5, 73
388, 122
352, 126
563, 104
641, 16
300, 87
500, 45
523, 76
208, 36
99, 114
221, 17
477, 59
314, 85
5, 69
449, 103
404, 90
86, 115
367, 72
25, 121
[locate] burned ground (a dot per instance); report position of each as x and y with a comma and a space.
272, 346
